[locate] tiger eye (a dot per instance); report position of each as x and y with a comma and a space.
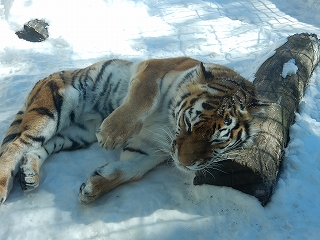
227, 121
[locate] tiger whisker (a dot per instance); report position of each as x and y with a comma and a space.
166, 136
161, 139
161, 151
206, 171
163, 142
169, 135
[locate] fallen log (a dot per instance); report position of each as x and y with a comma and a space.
255, 170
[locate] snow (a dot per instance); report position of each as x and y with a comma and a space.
164, 204
289, 68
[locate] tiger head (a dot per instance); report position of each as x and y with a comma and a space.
212, 114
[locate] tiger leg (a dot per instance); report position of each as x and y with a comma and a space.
74, 137
140, 102
12, 131
133, 164
25, 134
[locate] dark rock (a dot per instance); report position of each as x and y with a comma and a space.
34, 31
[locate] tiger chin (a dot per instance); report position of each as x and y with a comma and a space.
153, 110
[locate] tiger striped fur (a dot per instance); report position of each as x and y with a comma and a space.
152, 110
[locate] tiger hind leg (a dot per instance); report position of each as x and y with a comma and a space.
75, 137
24, 135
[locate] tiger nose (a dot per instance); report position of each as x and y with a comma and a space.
187, 161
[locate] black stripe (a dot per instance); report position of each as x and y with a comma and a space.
228, 132
117, 85
106, 101
75, 77
239, 134
43, 111
216, 88
192, 101
60, 135
96, 109
207, 106
110, 108
20, 113
75, 144
81, 126
16, 122
247, 128
81, 87
103, 96
35, 95
84, 142
106, 85
186, 78
99, 76
24, 141
214, 126
224, 86
57, 99
107, 108
234, 82
40, 139
72, 116
236, 126
183, 105
10, 138
84, 75
183, 98
130, 149
46, 151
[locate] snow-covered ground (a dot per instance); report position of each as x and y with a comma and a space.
164, 204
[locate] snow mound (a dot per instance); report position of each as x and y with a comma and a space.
289, 68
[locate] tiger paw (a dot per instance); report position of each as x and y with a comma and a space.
116, 129
97, 185
29, 173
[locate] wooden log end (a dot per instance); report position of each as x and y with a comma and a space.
239, 177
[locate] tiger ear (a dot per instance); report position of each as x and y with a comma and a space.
203, 74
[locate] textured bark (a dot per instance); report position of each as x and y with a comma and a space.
255, 170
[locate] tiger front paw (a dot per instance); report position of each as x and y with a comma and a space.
97, 185
115, 130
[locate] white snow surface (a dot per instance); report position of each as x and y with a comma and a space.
289, 68
164, 204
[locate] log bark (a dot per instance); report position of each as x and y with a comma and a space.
255, 170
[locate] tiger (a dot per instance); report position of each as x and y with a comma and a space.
152, 111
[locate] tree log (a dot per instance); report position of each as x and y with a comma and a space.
255, 170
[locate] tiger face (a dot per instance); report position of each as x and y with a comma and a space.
213, 115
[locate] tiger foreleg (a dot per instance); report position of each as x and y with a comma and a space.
132, 167
127, 120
